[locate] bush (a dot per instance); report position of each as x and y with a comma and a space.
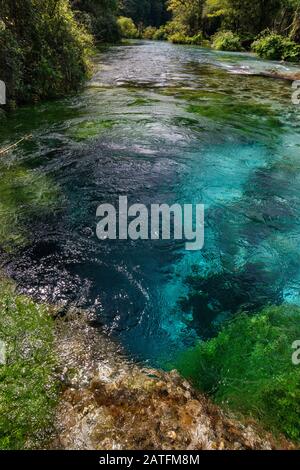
28, 390
197, 39
12, 65
127, 28
276, 47
44, 53
149, 32
160, 34
180, 38
249, 368
226, 41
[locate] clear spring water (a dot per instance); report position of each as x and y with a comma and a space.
159, 123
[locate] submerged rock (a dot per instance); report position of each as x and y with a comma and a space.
108, 403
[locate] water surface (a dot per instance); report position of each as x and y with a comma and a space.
161, 124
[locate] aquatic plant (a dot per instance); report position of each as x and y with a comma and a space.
248, 367
250, 118
23, 195
28, 390
89, 129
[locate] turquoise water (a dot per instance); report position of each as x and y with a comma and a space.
161, 124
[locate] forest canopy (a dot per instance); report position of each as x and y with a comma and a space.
44, 51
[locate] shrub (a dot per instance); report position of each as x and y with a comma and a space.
44, 53
226, 41
12, 65
276, 47
172, 27
28, 390
127, 28
149, 32
248, 367
197, 39
180, 38
160, 34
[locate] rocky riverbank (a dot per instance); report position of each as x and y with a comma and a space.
109, 403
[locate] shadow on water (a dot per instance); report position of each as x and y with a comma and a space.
160, 124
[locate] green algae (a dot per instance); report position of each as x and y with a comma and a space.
23, 194
90, 129
248, 368
140, 101
248, 118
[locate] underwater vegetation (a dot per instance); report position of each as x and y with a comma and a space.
248, 367
89, 129
23, 195
221, 295
28, 391
250, 119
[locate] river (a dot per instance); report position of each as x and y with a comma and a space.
158, 123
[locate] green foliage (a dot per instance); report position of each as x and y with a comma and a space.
43, 51
149, 32
100, 18
226, 41
127, 28
247, 17
28, 391
244, 18
144, 12
187, 15
179, 38
248, 367
276, 47
160, 34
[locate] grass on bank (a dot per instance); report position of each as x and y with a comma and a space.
28, 390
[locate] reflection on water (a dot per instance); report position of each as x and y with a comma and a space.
161, 124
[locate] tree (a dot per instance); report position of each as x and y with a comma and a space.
187, 15
101, 18
248, 17
43, 51
146, 12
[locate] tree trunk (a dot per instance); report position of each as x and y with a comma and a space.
295, 31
